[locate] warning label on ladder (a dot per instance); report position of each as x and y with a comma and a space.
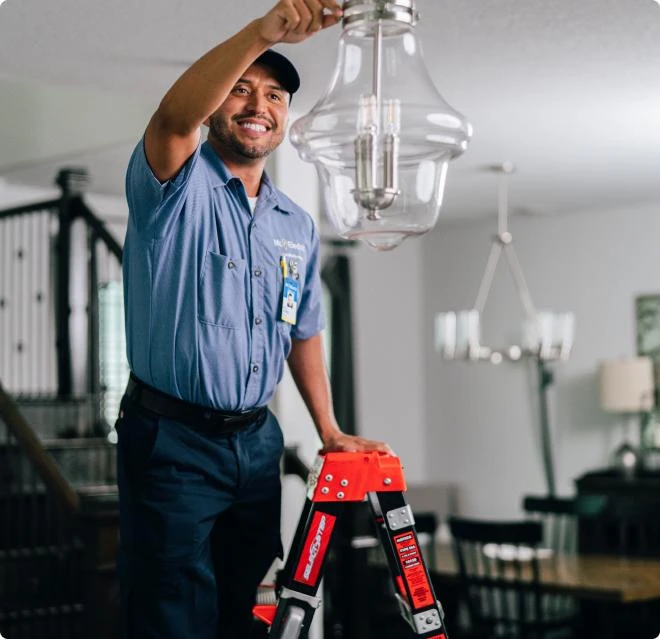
413, 570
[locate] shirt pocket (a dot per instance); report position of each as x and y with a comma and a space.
222, 291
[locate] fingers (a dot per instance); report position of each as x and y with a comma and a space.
302, 18
289, 14
354, 444
332, 13
315, 8
316, 15
381, 447
369, 445
305, 15
342, 446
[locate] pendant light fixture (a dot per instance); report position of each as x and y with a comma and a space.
382, 136
545, 335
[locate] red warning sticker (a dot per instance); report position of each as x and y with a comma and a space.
413, 570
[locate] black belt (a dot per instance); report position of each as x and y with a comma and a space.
202, 417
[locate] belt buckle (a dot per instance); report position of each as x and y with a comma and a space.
232, 419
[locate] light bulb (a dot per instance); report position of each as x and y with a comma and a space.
381, 137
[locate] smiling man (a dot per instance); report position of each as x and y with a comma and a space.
253, 132
222, 287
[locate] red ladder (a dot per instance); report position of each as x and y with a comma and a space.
335, 480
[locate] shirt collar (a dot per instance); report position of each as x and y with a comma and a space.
221, 176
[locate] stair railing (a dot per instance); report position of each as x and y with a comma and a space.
39, 457
89, 514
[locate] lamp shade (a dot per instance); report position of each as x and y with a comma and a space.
626, 385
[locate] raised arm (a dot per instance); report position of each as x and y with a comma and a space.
307, 365
174, 130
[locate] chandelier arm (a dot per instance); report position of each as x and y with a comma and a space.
519, 278
489, 273
503, 208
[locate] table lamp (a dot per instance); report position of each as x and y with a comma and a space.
627, 388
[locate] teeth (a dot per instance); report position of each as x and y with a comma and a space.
255, 127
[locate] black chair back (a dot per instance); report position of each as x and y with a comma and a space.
561, 517
426, 525
499, 573
632, 526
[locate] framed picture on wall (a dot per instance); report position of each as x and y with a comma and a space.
647, 319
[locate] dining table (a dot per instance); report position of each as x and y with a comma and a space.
587, 576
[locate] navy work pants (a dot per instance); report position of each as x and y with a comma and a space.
199, 525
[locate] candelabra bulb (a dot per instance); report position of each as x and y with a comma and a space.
507, 167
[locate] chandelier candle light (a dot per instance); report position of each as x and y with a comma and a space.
382, 136
545, 335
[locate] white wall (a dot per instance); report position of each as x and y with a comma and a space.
483, 421
389, 344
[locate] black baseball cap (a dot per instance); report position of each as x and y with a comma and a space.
284, 70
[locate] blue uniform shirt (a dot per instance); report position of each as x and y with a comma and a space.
203, 282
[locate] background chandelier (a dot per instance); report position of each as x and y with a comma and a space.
382, 136
545, 335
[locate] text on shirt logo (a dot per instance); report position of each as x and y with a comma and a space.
290, 245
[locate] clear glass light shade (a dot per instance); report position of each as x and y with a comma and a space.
381, 137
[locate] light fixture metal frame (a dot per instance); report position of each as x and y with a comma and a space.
369, 11
377, 151
397, 136
545, 349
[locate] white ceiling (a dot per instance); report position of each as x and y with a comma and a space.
569, 90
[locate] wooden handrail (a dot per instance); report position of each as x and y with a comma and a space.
41, 459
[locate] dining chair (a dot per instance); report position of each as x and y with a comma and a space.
635, 525
499, 575
426, 525
562, 517
565, 521
630, 527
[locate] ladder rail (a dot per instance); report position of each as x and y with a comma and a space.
337, 480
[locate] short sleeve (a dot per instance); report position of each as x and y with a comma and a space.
153, 205
311, 319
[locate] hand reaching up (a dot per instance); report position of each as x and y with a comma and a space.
293, 21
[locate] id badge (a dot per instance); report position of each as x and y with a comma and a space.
290, 298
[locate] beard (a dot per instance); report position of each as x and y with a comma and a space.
219, 130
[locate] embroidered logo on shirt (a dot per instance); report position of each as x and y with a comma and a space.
290, 245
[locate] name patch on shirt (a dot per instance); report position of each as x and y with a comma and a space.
290, 245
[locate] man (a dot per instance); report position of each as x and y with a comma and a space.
221, 286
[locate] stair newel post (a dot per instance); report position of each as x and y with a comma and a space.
72, 183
